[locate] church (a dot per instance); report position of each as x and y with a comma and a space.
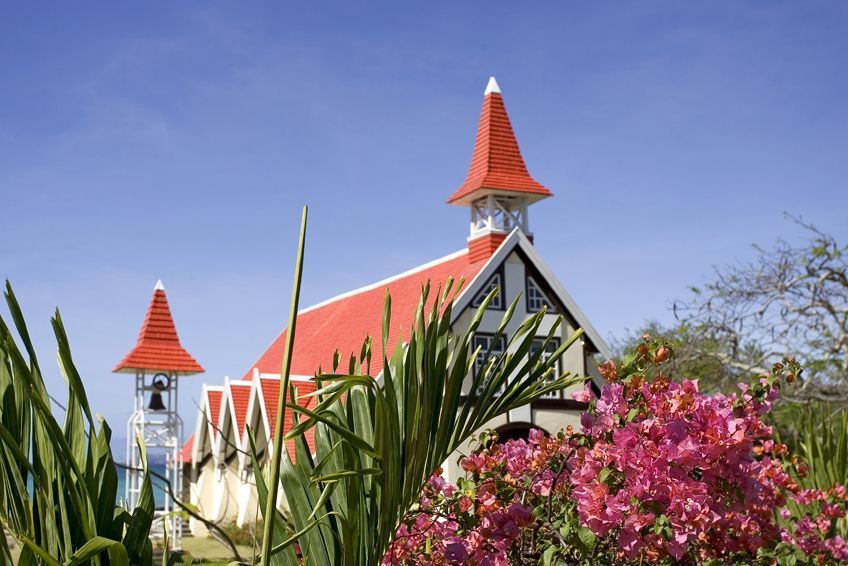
498, 192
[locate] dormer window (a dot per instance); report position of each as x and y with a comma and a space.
536, 298
497, 301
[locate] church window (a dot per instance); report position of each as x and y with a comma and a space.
536, 298
484, 342
549, 349
497, 301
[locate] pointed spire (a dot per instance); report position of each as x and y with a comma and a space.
158, 346
496, 164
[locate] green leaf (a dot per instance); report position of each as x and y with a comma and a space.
587, 538
95, 547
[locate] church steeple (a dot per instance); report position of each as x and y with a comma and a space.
498, 187
158, 346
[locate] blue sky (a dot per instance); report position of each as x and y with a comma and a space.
178, 141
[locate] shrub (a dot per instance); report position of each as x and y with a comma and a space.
659, 473
249, 534
68, 515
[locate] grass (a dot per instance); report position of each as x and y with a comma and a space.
207, 550
203, 550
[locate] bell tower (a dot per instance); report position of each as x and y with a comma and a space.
498, 188
158, 361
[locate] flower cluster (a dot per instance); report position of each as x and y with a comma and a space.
482, 518
668, 470
813, 531
659, 472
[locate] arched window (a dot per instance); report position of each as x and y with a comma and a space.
517, 431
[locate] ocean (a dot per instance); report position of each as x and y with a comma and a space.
158, 488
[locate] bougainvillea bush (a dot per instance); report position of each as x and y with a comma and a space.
658, 473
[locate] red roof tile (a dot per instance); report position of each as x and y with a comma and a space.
271, 395
158, 346
496, 163
214, 408
344, 322
240, 398
188, 447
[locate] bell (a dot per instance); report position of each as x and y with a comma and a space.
156, 403
161, 382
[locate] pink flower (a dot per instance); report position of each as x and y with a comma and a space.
584, 396
659, 472
520, 514
455, 552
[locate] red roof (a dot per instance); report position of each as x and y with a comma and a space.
344, 322
271, 395
214, 409
240, 398
188, 447
158, 346
496, 163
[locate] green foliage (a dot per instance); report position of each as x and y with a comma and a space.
823, 444
249, 534
377, 443
697, 355
821, 441
68, 515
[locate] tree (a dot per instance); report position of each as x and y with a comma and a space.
696, 354
791, 300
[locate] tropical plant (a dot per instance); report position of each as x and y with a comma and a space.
58, 483
376, 442
822, 441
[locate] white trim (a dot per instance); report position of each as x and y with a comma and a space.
159, 286
386, 281
563, 295
239, 435
517, 239
492, 86
198, 427
255, 389
473, 287
414, 270
263, 412
223, 421
210, 424
277, 377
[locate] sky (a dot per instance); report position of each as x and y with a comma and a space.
179, 140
